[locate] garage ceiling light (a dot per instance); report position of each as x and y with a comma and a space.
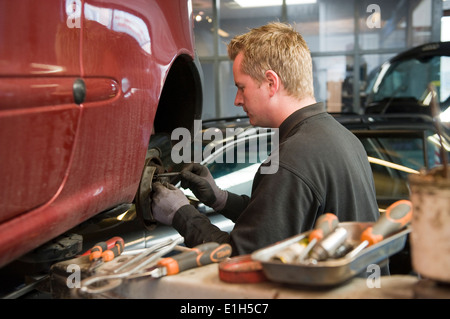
269, 3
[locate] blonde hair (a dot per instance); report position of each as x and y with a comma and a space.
277, 47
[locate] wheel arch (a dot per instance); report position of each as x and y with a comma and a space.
181, 100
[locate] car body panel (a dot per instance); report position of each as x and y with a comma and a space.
39, 60
63, 161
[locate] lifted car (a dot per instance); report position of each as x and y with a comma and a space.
84, 84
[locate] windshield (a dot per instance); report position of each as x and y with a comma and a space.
393, 157
408, 80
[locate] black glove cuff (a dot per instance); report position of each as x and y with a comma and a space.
234, 206
184, 213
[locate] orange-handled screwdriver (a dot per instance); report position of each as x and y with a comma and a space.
110, 254
328, 246
200, 255
97, 250
105, 251
100, 247
397, 216
325, 225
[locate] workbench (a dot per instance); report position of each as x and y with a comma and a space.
204, 283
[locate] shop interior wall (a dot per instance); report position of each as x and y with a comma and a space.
348, 40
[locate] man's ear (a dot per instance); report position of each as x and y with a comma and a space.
273, 81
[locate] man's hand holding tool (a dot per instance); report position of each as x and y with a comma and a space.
198, 178
166, 201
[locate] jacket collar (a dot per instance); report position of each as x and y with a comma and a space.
299, 116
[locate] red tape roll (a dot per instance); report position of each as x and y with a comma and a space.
241, 269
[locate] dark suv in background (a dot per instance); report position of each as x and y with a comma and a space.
401, 84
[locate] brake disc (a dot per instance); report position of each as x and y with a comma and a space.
143, 201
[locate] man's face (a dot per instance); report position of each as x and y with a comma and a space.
251, 95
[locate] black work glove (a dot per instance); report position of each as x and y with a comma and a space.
199, 180
166, 201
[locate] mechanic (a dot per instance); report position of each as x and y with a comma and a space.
322, 166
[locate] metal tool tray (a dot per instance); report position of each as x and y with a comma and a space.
333, 271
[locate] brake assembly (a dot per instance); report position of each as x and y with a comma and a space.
143, 200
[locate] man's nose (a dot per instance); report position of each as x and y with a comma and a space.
238, 100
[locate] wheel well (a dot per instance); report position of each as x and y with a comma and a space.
179, 105
181, 98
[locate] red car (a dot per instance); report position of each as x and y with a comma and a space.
83, 86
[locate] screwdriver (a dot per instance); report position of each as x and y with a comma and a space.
110, 254
200, 255
103, 252
110, 243
329, 245
396, 217
166, 174
97, 250
325, 225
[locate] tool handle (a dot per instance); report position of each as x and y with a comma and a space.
396, 217
198, 250
328, 246
102, 246
115, 251
192, 259
113, 241
172, 263
214, 256
97, 250
325, 225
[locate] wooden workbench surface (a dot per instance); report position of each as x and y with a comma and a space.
204, 283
